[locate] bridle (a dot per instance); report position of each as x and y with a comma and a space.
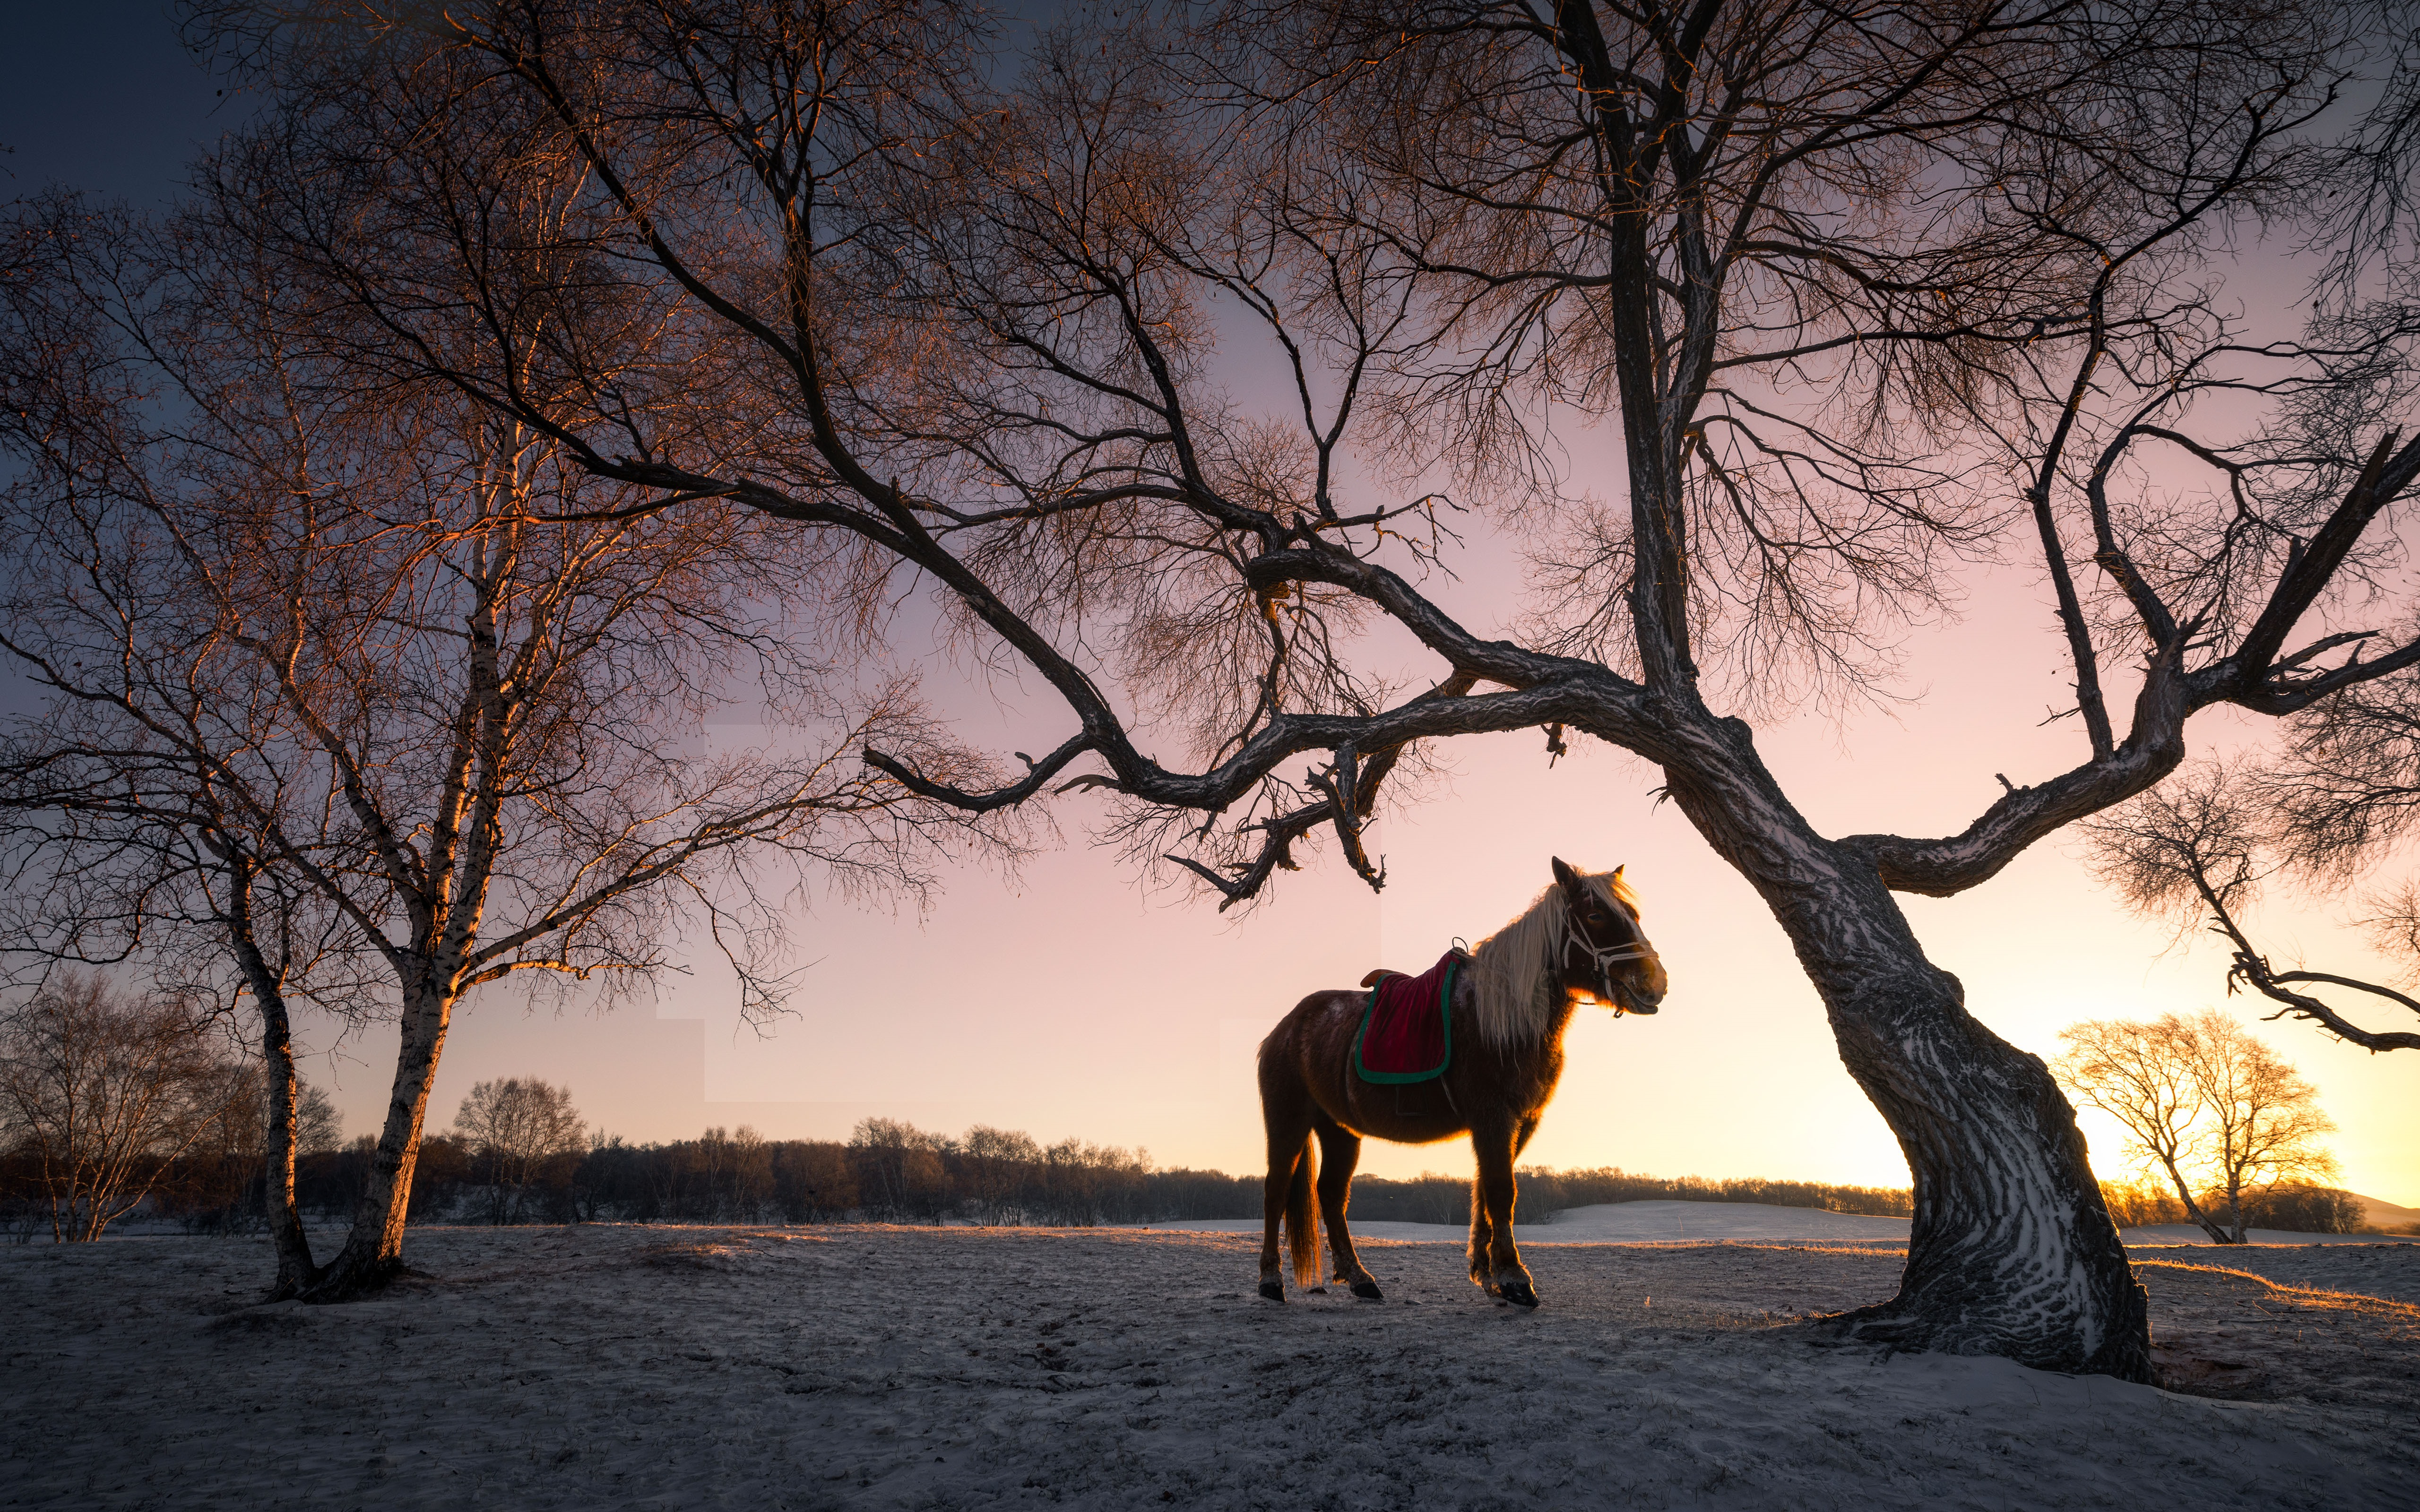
1609, 956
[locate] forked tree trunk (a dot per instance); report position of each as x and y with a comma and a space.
373, 1252
2011, 1250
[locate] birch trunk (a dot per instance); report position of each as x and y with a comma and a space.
295, 1271
373, 1252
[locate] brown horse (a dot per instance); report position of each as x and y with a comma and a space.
1579, 943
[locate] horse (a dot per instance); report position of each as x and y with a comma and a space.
1579, 943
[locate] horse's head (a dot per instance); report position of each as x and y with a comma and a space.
1605, 956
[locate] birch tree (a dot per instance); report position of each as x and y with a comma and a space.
383, 647
1871, 296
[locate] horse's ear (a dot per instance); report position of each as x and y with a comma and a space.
1570, 879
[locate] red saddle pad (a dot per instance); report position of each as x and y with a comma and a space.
1407, 1028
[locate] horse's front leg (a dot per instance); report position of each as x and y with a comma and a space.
1339, 1151
1504, 1275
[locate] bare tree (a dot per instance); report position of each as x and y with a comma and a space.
2223, 1116
103, 1092
2200, 847
898, 1168
2265, 1123
386, 650
517, 1127
2138, 1075
1870, 297
751, 1173
998, 1162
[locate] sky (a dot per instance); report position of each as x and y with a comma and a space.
1074, 999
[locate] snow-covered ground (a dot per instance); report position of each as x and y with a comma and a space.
614, 1366
1640, 1223
1647, 1223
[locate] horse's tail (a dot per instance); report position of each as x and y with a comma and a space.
1302, 1217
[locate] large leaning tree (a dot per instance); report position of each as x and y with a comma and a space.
367, 686
1871, 298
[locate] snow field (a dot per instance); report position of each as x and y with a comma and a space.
610, 1366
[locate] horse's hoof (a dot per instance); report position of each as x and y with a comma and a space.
1368, 1291
1274, 1290
1319, 1291
1517, 1292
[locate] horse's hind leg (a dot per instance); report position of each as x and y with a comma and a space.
1504, 1275
1479, 1231
1285, 1195
1339, 1151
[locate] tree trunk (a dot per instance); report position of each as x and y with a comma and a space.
2238, 1232
2011, 1251
2192, 1208
373, 1252
295, 1271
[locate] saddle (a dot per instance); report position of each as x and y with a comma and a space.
1407, 1025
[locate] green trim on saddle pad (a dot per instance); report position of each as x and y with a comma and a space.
1445, 1022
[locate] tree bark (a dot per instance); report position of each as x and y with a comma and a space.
2192, 1208
2011, 1250
296, 1272
373, 1252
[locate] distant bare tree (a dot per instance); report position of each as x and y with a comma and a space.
236, 1166
2200, 847
1869, 297
898, 1168
2223, 1116
750, 1174
517, 1127
2132, 1072
2265, 1121
101, 1092
998, 1163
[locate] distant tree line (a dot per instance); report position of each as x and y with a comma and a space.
2290, 1208
519, 1153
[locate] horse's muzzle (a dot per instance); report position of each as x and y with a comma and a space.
1645, 995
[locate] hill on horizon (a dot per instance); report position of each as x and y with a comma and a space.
2380, 1214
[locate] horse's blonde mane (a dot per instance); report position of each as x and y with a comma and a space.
1514, 989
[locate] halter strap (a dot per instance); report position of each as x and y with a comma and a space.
1608, 957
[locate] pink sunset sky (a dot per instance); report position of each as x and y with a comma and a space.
1072, 999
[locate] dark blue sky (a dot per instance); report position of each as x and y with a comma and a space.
99, 95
